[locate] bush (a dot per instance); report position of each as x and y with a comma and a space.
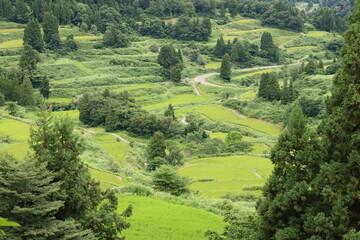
167, 179
137, 189
2, 100
154, 48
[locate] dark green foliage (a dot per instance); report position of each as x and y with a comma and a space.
33, 36
268, 48
288, 92
26, 191
114, 38
269, 87
311, 67
45, 88
325, 19
2, 99
156, 147
279, 14
28, 61
154, 163
234, 143
55, 144
26, 93
225, 69
175, 73
120, 112
311, 106
70, 44
239, 226
12, 108
220, 48
51, 31
287, 192
168, 57
191, 30
240, 53
20, 13
337, 184
170, 112
167, 179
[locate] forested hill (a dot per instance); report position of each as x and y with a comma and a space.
129, 14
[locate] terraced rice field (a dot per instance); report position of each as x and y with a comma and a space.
19, 132
217, 113
218, 176
157, 219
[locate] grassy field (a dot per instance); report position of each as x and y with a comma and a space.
107, 180
112, 146
227, 174
217, 113
178, 100
156, 219
19, 132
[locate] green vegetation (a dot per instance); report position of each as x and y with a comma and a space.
152, 213
155, 117
217, 113
215, 177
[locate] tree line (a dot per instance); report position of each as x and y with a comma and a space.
51, 194
313, 192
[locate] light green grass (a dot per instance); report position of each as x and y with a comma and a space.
259, 148
217, 113
133, 87
12, 44
248, 95
298, 49
253, 73
11, 30
74, 114
178, 100
112, 146
229, 174
107, 180
156, 219
18, 131
59, 100
213, 65
317, 33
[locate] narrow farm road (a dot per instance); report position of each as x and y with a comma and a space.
202, 78
112, 134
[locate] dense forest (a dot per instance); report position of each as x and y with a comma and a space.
179, 119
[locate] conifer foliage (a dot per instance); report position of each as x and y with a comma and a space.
56, 145
225, 69
33, 36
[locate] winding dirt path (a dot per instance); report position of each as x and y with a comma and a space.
112, 134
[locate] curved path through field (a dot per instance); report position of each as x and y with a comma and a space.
112, 134
202, 78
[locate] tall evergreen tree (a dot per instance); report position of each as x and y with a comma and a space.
170, 112
338, 182
269, 88
268, 48
168, 57
156, 147
25, 192
84, 109
51, 31
287, 192
225, 69
45, 88
55, 144
33, 36
21, 12
27, 93
220, 48
28, 61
